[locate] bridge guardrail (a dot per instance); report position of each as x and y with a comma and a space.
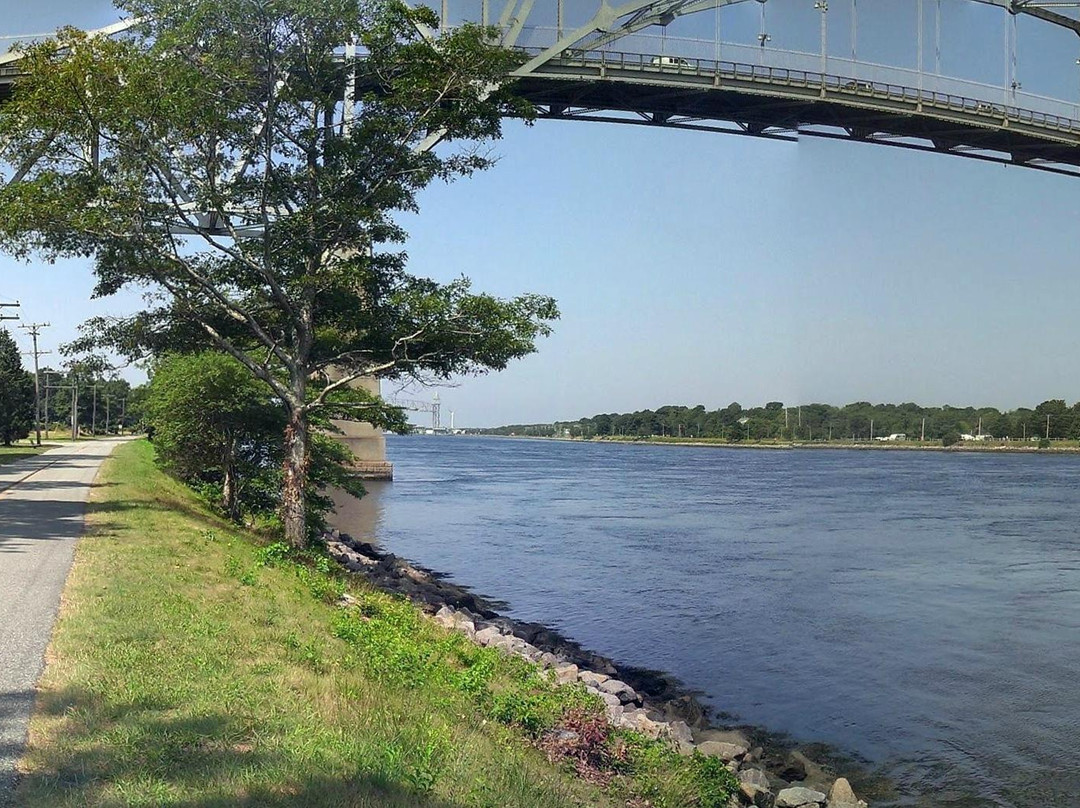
833, 84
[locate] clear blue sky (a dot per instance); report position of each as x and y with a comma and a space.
696, 268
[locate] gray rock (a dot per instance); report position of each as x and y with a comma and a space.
637, 719
566, 672
609, 699
590, 678
549, 660
724, 751
487, 636
798, 797
613, 713
625, 693
679, 732
757, 796
567, 736
347, 601
445, 617
841, 795
734, 736
464, 624
755, 777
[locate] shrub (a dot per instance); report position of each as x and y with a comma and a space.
950, 439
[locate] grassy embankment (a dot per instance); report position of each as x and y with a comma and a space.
194, 666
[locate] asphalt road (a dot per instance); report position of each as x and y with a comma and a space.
42, 505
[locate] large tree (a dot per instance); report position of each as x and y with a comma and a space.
16, 393
247, 165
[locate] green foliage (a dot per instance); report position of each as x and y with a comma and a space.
16, 393
1044, 443
713, 782
950, 438
213, 424
852, 423
670, 780
273, 554
239, 105
220, 430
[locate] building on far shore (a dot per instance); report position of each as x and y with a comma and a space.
893, 438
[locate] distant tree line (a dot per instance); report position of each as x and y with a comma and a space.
859, 422
16, 392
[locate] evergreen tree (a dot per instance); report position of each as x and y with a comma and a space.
16, 393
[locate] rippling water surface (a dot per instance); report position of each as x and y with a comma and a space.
921, 610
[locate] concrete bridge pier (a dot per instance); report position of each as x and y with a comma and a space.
366, 442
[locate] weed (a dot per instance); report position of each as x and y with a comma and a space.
273, 554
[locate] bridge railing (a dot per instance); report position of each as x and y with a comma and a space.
867, 85
709, 58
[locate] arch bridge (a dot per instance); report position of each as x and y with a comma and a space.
921, 74
860, 71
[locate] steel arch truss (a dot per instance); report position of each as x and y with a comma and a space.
613, 22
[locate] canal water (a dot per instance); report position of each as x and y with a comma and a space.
920, 610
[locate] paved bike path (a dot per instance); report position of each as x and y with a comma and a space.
42, 509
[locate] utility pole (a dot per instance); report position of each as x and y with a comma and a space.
35, 329
871, 430
93, 416
9, 306
47, 404
74, 407
922, 437
1048, 426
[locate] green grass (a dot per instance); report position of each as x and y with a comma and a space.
195, 666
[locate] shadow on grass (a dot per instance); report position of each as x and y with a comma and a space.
16, 455
145, 749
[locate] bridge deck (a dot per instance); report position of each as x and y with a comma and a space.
774, 102
767, 101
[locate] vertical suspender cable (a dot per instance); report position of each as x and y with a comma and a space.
762, 37
558, 20
854, 30
1015, 55
716, 53
919, 15
937, 37
1008, 65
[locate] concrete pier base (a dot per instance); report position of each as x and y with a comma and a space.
366, 442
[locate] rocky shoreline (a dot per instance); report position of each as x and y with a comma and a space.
770, 774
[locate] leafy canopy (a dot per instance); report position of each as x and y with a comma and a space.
246, 162
248, 170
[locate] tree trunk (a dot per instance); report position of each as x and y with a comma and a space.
294, 514
229, 500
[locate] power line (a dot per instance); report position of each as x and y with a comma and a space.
14, 305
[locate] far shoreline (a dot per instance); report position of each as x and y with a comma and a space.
908, 446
